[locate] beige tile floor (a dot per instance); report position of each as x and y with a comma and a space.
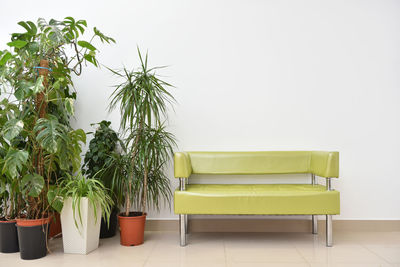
231, 250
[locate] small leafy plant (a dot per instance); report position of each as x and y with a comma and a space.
79, 187
101, 148
98, 161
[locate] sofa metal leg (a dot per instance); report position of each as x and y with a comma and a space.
182, 229
315, 224
186, 223
329, 237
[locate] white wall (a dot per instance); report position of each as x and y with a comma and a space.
260, 75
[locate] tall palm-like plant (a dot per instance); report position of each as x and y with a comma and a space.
143, 99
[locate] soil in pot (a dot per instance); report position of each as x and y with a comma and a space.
132, 228
8, 237
109, 231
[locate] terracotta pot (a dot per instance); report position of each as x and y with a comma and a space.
55, 225
35, 222
132, 228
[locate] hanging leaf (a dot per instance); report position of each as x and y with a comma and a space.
54, 199
14, 161
32, 184
23, 89
17, 43
3, 59
87, 45
29, 26
91, 59
49, 132
69, 105
38, 87
3, 187
102, 37
12, 128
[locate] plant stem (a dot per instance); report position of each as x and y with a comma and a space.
144, 187
127, 199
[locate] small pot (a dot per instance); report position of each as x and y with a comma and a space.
32, 238
109, 231
8, 237
132, 228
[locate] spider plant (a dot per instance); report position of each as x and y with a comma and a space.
142, 99
79, 187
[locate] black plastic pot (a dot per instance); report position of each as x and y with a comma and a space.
8, 237
106, 232
32, 241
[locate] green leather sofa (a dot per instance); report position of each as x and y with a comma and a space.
257, 199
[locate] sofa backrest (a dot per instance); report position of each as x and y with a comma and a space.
321, 163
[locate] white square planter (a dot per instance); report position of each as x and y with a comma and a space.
85, 238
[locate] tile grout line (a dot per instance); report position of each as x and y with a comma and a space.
304, 258
376, 254
151, 251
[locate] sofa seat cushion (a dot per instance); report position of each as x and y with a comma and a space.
267, 199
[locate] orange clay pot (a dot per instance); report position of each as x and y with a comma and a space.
132, 228
26, 222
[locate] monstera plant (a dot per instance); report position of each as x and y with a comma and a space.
36, 84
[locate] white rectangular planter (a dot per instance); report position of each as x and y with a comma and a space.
85, 238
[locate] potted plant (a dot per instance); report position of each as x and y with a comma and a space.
9, 200
84, 202
98, 164
142, 98
41, 145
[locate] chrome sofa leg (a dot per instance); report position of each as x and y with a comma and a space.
186, 223
329, 238
182, 229
314, 224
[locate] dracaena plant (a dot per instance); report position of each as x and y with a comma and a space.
37, 91
142, 99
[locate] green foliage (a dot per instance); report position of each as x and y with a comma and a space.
98, 160
14, 162
78, 187
55, 201
154, 147
49, 132
32, 184
142, 98
101, 148
12, 129
37, 144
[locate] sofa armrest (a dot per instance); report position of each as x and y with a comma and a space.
325, 164
182, 165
